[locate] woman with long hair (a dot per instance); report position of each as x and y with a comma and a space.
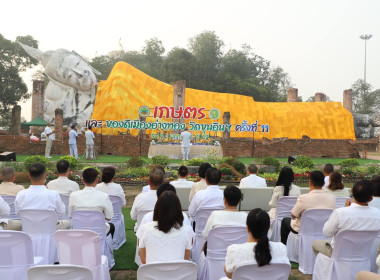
284, 187
166, 238
258, 249
336, 186
108, 186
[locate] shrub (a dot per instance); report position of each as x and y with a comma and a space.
271, 161
16, 166
161, 160
195, 162
93, 166
73, 162
349, 162
347, 171
235, 163
135, 162
137, 172
35, 159
303, 162
21, 177
226, 171
373, 169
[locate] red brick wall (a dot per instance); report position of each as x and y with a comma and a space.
240, 147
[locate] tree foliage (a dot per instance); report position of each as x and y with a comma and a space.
364, 99
13, 60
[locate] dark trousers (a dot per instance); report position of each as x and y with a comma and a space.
286, 229
112, 229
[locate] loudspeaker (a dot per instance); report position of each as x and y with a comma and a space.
291, 159
8, 156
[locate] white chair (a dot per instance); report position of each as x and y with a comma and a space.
10, 199
118, 221
41, 226
219, 239
181, 270
65, 200
16, 255
340, 202
82, 247
200, 222
183, 195
95, 221
140, 216
349, 256
273, 271
59, 272
299, 246
284, 206
373, 255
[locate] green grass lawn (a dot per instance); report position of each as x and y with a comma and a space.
125, 256
246, 160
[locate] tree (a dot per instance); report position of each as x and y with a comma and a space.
13, 60
153, 51
180, 64
207, 49
365, 101
312, 98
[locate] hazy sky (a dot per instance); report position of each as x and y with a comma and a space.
316, 41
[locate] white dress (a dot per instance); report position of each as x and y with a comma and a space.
278, 192
339, 193
240, 254
112, 189
165, 247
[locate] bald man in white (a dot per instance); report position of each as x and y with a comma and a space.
186, 137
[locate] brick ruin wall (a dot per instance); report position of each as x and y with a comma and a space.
127, 145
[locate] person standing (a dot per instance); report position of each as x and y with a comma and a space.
186, 137
89, 142
73, 142
50, 136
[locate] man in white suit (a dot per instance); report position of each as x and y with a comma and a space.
186, 136
252, 180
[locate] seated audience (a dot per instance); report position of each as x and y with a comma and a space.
228, 217
147, 200
356, 216
252, 180
38, 197
201, 185
108, 186
166, 238
336, 186
62, 184
8, 187
258, 249
89, 199
327, 170
211, 197
7, 224
182, 175
284, 187
148, 217
375, 202
315, 199
147, 187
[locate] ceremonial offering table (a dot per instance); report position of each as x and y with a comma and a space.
174, 151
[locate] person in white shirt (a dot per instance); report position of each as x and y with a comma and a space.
49, 139
148, 217
38, 197
63, 185
182, 182
252, 180
73, 142
357, 215
336, 186
147, 187
165, 239
258, 249
7, 224
327, 170
284, 187
89, 143
375, 202
90, 199
186, 137
108, 186
8, 187
200, 185
211, 197
147, 200
228, 217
